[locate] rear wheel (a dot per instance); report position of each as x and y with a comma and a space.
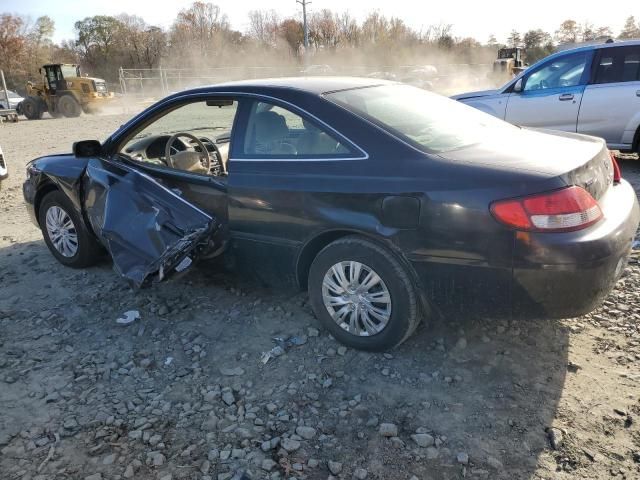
363, 295
65, 233
31, 108
68, 106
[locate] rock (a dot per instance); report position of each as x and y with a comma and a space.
312, 463
95, 476
232, 372
109, 459
156, 459
334, 467
360, 473
205, 466
271, 407
290, 445
388, 430
423, 440
432, 453
556, 438
268, 464
495, 463
167, 477
342, 350
306, 432
463, 458
312, 332
461, 344
70, 424
228, 398
129, 472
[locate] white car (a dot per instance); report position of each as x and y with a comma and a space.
14, 99
592, 89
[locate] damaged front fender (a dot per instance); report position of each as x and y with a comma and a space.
147, 228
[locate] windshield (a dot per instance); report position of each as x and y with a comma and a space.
428, 121
69, 71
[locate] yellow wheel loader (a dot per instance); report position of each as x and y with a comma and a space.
64, 92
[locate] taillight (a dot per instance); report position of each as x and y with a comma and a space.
617, 174
571, 208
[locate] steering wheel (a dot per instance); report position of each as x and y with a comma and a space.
188, 160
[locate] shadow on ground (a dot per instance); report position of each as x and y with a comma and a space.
481, 388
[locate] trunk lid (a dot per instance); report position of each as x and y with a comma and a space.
575, 159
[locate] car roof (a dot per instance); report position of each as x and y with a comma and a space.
597, 46
313, 85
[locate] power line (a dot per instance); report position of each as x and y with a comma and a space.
304, 4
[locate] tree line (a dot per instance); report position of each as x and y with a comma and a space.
201, 36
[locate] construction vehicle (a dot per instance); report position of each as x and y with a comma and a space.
510, 62
64, 92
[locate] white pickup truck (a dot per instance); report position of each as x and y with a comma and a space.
592, 89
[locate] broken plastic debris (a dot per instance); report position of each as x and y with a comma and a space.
128, 317
283, 344
184, 264
273, 353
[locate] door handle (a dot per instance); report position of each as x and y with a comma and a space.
565, 96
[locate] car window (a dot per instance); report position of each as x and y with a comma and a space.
618, 65
276, 132
428, 121
206, 123
565, 71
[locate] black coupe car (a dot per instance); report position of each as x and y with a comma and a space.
388, 203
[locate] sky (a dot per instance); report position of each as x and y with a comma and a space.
477, 19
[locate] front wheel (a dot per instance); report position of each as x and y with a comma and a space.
31, 108
363, 295
69, 107
65, 233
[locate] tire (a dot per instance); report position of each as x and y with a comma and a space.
31, 108
402, 310
87, 252
69, 107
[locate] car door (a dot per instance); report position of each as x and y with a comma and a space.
611, 104
148, 229
272, 167
209, 118
550, 95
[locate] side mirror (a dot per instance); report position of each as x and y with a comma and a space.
87, 148
518, 86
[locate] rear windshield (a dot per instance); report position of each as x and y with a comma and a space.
428, 121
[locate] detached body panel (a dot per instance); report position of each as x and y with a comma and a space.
146, 227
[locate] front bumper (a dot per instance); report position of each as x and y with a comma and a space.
29, 192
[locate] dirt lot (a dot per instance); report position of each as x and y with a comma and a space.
181, 393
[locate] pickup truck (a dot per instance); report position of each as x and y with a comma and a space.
594, 90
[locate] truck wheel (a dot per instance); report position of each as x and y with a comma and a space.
65, 233
31, 109
363, 295
69, 107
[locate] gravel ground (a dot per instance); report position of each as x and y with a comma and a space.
181, 393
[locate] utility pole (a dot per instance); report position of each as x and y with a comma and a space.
304, 4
